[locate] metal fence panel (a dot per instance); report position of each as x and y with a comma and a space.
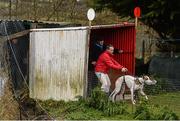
57, 63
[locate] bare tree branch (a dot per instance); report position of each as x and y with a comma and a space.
59, 3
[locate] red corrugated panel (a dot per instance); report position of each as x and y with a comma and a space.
122, 37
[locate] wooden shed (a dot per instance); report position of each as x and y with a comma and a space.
58, 60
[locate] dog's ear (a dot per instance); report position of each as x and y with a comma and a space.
145, 77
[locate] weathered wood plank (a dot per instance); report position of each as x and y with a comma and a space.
16, 35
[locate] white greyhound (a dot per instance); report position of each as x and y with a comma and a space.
133, 84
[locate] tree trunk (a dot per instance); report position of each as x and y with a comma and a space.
56, 6
35, 12
10, 12
17, 8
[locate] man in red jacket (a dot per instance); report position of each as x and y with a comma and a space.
104, 63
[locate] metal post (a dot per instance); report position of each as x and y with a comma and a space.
89, 25
136, 22
87, 59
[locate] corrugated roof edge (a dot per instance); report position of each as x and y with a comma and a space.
86, 27
59, 29
33, 21
113, 25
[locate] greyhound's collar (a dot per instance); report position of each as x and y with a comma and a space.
137, 81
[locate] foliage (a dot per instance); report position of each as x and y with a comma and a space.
97, 104
98, 107
162, 15
58, 10
146, 111
142, 112
9, 106
169, 100
99, 100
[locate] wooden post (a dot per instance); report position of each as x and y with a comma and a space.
16, 35
89, 25
86, 62
136, 22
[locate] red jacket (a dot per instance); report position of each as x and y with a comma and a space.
105, 62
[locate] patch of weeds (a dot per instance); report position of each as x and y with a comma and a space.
142, 111
85, 114
145, 111
99, 100
95, 107
98, 107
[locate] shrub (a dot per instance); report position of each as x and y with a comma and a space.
99, 100
142, 111
145, 111
99, 107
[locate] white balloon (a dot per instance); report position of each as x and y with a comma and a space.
91, 14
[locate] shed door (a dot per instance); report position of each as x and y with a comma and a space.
57, 64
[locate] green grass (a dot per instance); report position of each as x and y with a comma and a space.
83, 113
80, 110
172, 100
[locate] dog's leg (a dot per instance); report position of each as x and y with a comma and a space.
143, 94
116, 91
136, 95
110, 96
123, 90
132, 96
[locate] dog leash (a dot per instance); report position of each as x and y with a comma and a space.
124, 82
124, 77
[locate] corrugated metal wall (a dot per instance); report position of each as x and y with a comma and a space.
123, 38
57, 63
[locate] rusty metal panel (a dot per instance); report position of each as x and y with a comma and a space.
58, 63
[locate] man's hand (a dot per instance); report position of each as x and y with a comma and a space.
124, 69
120, 51
94, 62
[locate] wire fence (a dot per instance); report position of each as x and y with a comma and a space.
161, 57
166, 68
11, 60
